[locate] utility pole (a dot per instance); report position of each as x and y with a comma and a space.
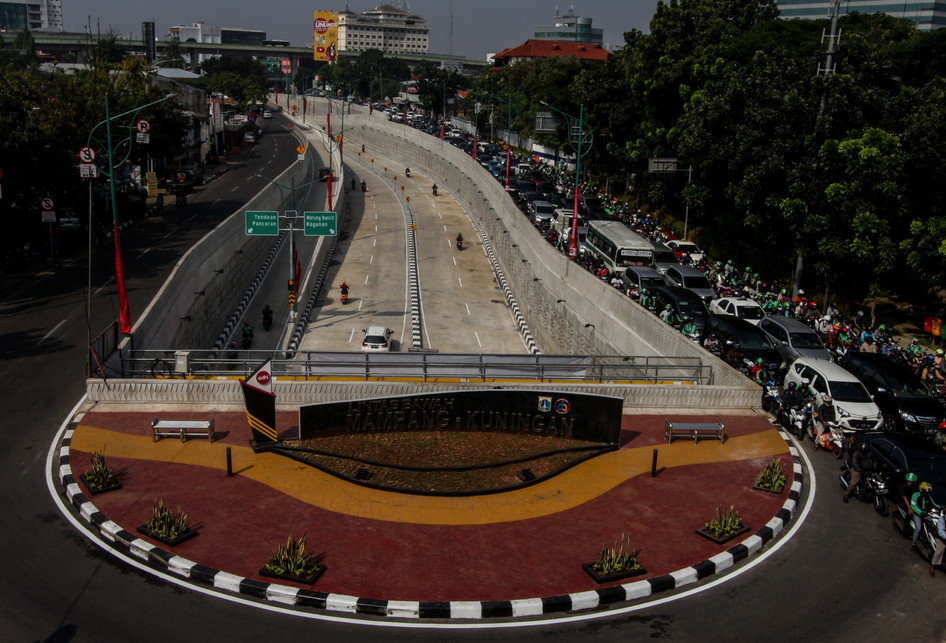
828, 68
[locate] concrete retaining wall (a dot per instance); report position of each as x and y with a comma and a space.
289, 393
209, 280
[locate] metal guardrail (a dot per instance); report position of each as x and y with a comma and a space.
417, 366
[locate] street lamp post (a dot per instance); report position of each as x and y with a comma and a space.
124, 311
577, 146
291, 228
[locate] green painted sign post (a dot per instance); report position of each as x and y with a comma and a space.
320, 224
262, 223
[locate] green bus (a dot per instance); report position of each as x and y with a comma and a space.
617, 245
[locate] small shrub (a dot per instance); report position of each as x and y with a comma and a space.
165, 523
726, 523
99, 475
292, 559
772, 476
617, 559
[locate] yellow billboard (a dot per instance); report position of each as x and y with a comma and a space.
325, 35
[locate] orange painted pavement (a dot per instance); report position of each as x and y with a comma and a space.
574, 487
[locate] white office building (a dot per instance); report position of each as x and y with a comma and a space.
927, 14
390, 29
32, 15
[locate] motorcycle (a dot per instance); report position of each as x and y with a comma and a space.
407, 172
435, 189
364, 186
796, 418
459, 242
354, 185
344, 296
872, 488
926, 543
771, 398
832, 439
267, 322
247, 340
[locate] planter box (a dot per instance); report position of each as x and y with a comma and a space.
725, 539
111, 487
187, 535
772, 491
308, 580
611, 577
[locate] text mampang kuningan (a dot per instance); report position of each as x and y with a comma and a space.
426, 414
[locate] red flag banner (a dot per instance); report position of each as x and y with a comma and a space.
124, 310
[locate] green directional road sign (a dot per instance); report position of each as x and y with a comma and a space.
262, 223
319, 224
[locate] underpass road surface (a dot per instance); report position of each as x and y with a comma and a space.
463, 309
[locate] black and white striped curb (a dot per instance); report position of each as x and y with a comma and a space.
164, 561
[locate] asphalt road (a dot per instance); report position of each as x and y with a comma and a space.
844, 576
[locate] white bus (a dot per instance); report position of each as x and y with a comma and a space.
617, 245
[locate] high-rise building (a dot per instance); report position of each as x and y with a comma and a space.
199, 32
570, 28
35, 15
391, 29
927, 14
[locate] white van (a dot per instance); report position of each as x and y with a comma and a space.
855, 407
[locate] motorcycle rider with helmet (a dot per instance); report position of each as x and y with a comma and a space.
689, 327
921, 502
861, 463
823, 414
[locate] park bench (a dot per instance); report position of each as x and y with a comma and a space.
694, 430
182, 428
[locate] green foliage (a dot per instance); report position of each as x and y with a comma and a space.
725, 523
165, 523
617, 559
292, 559
99, 475
772, 476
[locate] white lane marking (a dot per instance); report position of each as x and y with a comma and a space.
49, 334
217, 201
192, 217
143, 253
460, 281
235, 188
102, 287
171, 232
468, 309
477, 336
455, 261
366, 279
352, 336
371, 260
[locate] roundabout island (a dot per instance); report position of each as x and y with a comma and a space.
514, 553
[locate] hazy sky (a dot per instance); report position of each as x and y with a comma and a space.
479, 26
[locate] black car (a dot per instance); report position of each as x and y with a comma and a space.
683, 301
898, 455
905, 401
729, 329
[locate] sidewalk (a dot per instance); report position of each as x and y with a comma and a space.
521, 544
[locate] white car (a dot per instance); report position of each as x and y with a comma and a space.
377, 338
686, 248
856, 409
741, 307
267, 113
